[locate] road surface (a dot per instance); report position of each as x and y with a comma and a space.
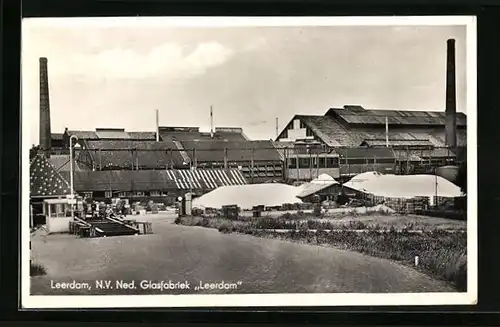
195, 255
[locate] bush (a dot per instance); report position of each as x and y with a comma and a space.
177, 220
37, 269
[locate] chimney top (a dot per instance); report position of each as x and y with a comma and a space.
43, 59
451, 41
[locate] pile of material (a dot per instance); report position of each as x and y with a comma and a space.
248, 196
320, 183
403, 186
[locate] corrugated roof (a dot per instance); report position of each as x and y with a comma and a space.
328, 130
45, 181
113, 134
88, 135
144, 180
143, 156
394, 117
334, 133
193, 135
142, 135
213, 150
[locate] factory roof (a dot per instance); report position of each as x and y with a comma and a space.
193, 134
159, 180
213, 150
112, 133
335, 131
360, 115
130, 153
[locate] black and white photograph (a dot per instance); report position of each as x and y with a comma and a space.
248, 161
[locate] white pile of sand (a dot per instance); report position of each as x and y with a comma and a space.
248, 196
404, 186
324, 179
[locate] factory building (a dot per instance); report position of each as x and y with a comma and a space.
164, 163
399, 141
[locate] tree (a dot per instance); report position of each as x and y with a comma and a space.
462, 177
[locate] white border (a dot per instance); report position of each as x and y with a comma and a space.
270, 300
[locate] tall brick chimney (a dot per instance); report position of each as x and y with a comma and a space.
451, 98
45, 133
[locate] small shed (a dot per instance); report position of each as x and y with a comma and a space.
58, 214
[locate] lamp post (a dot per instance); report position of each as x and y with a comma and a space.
73, 137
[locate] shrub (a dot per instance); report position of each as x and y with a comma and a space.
177, 220
37, 269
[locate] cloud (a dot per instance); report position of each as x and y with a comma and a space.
167, 59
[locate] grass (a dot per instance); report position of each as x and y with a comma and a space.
37, 269
442, 253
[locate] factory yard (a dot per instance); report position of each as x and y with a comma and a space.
246, 264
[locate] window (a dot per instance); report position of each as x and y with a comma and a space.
332, 162
154, 193
108, 194
124, 194
304, 163
384, 161
138, 194
309, 132
322, 162
285, 134
87, 194
292, 163
302, 125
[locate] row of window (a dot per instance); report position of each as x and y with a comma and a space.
313, 162
334, 162
111, 194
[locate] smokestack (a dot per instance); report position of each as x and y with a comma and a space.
277, 128
45, 133
451, 101
211, 123
386, 132
157, 125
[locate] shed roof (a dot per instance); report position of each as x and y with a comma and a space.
149, 180
213, 150
148, 154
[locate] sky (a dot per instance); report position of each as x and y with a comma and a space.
117, 75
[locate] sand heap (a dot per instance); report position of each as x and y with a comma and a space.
321, 182
403, 186
248, 196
